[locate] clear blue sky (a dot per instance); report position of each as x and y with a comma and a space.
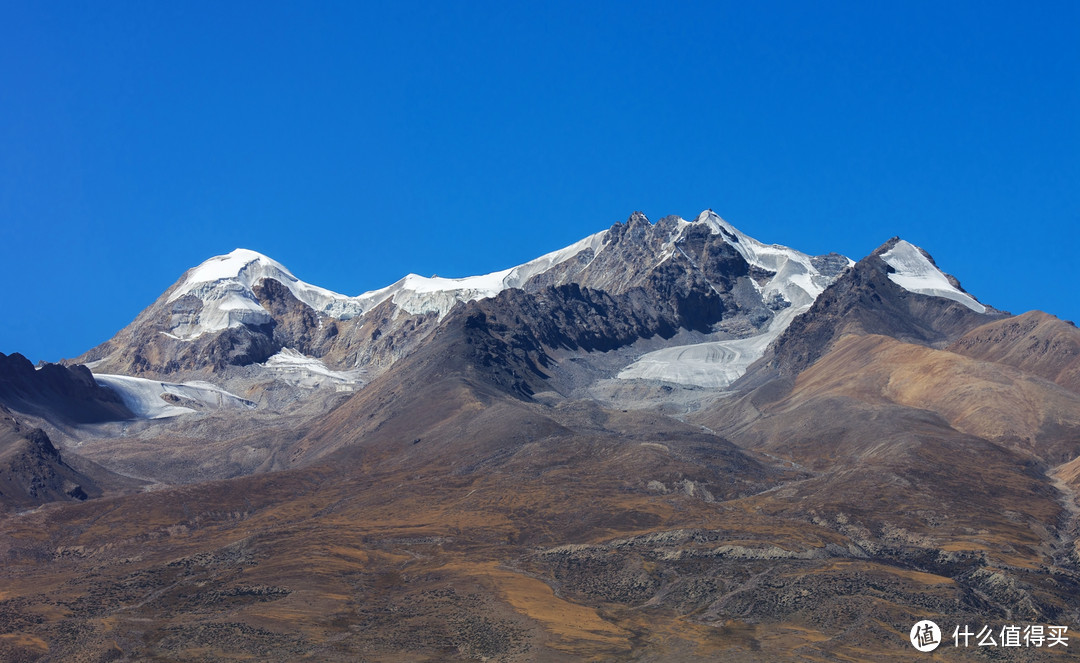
358, 141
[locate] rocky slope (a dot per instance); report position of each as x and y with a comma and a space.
1034, 342
32, 471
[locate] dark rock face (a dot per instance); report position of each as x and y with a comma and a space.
830, 264
66, 392
631, 258
237, 346
296, 324
516, 330
713, 254
233, 346
32, 471
577, 318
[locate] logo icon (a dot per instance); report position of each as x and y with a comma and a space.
925, 636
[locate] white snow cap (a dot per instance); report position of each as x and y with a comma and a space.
224, 284
915, 273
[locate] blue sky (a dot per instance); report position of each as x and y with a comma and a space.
356, 142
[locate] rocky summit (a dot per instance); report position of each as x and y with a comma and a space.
666, 442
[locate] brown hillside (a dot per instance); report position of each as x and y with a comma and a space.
1035, 342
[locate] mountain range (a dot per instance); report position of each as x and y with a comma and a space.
665, 442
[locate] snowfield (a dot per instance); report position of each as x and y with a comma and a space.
309, 372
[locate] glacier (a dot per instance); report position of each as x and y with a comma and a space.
144, 397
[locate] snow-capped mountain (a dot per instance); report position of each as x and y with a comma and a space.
795, 283
915, 272
705, 299
243, 307
223, 286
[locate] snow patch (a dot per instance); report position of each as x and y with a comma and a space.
144, 397
915, 273
309, 372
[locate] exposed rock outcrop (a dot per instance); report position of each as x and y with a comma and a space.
32, 471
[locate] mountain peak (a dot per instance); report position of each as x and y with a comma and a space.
889, 244
224, 287
706, 215
230, 266
914, 270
